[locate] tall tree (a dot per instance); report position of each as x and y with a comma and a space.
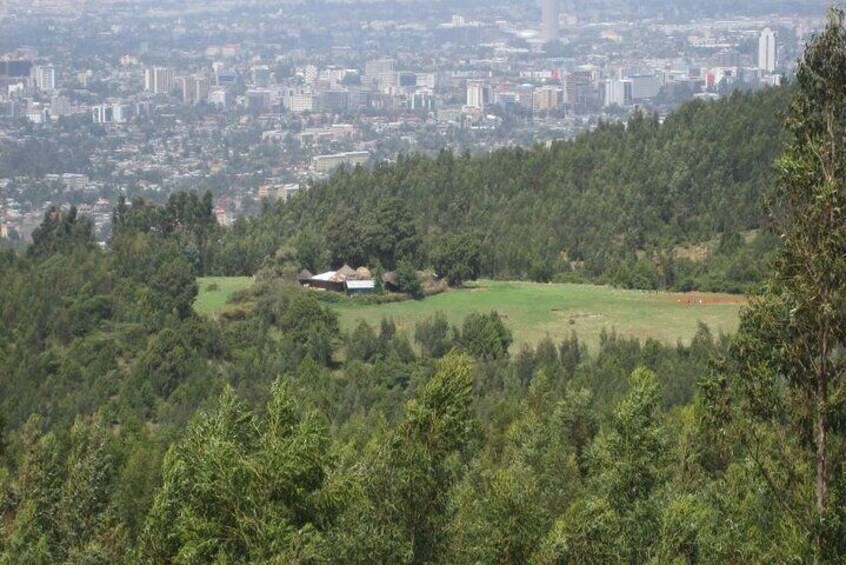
60, 232
240, 488
789, 351
485, 337
457, 257
401, 515
391, 234
616, 521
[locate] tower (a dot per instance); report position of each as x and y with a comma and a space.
158, 80
767, 50
549, 20
476, 95
45, 78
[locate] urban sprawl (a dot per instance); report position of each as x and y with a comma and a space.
255, 100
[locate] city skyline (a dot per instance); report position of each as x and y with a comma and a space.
260, 104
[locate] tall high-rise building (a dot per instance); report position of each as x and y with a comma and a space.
476, 95
549, 20
150, 80
546, 98
45, 78
582, 93
311, 73
373, 70
618, 92
195, 89
158, 80
645, 86
201, 92
188, 89
767, 50
333, 101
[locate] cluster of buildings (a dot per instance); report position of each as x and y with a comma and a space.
346, 279
40, 91
587, 89
181, 96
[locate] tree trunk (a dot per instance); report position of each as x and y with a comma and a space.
822, 462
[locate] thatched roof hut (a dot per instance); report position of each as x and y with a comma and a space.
363, 274
345, 272
390, 281
304, 276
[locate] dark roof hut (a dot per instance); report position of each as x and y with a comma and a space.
304, 276
390, 280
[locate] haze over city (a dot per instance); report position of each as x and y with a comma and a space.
254, 99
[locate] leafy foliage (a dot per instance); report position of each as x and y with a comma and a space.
244, 488
485, 337
136, 430
787, 364
621, 204
457, 258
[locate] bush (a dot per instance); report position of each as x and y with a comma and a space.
485, 337
408, 281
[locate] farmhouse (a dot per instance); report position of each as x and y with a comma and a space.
346, 279
360, 287
330, 280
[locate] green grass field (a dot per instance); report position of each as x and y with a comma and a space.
533, 311
215, 291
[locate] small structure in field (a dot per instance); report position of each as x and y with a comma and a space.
357, 287
346, 272
363, 274
346, 279
389, 279
327, 281
304, 276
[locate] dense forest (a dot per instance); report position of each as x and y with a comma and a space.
650, 204
618, 205
135, 430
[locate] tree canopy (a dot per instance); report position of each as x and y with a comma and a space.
134, 429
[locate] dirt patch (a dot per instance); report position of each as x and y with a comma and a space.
576, 315
695, 253
585, 315
706, 299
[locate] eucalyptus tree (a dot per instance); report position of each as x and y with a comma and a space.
789, 356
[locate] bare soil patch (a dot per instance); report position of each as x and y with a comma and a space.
705, 298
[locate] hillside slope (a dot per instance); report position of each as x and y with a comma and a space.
589, 208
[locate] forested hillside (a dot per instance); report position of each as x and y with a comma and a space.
135, 430
104, 366
615, 205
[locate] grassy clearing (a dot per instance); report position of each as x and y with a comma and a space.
215, 291
533, 311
